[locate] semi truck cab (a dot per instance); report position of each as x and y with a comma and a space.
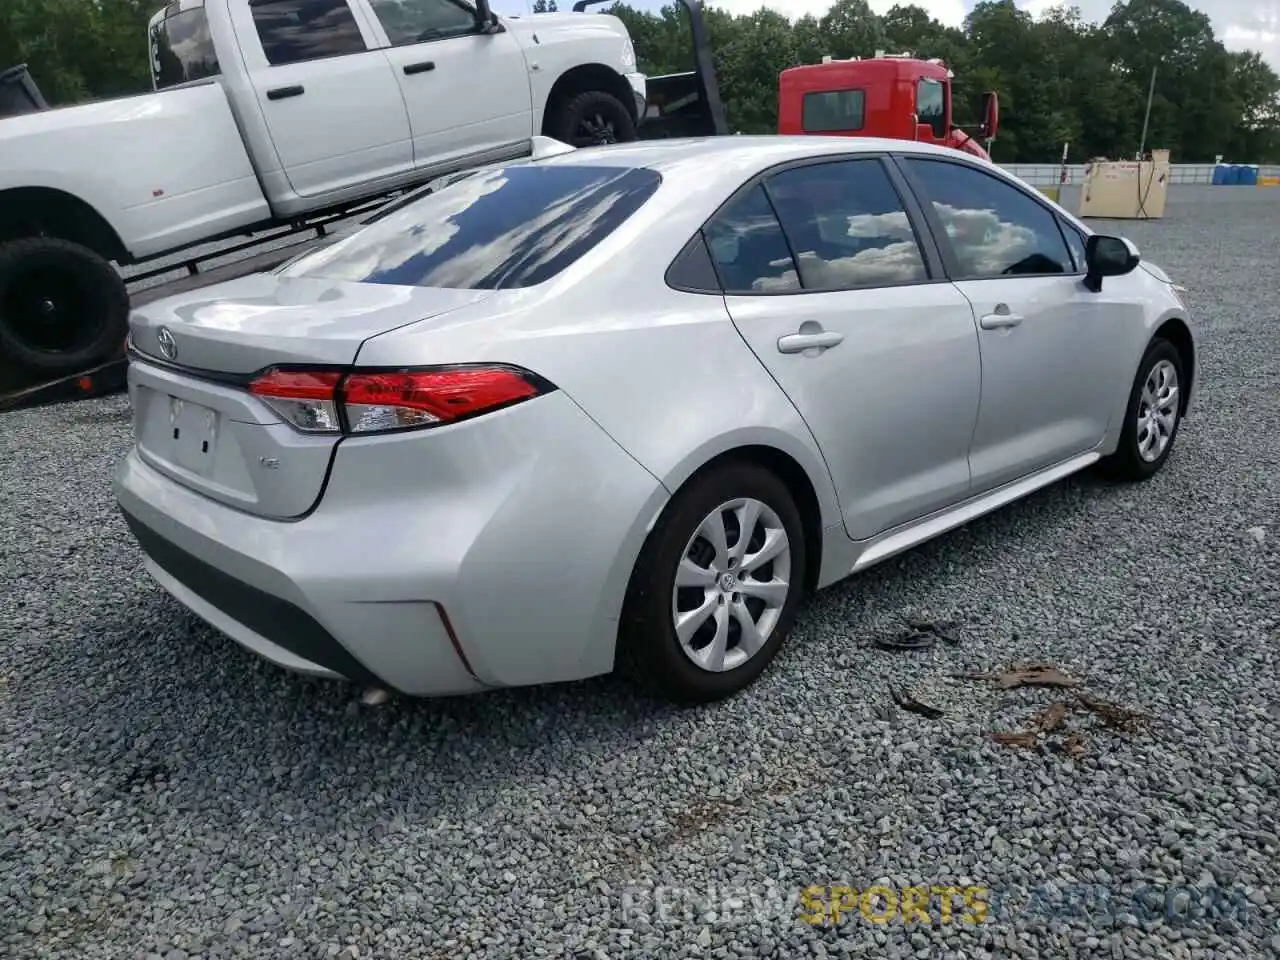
888, 95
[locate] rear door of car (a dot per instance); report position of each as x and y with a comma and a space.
842, 297
1049, 366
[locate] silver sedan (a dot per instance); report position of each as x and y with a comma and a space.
625, 407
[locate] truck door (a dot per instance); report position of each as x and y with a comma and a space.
330, 100
467, 92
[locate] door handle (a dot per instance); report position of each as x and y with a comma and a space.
280, 93
1001, 319
800, 342
425, 66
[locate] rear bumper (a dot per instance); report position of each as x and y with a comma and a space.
491, 553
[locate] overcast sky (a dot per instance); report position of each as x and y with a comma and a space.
1240, 24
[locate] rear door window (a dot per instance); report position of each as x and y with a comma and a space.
832, 111
182, 47
749, 249
847, 226
498, 229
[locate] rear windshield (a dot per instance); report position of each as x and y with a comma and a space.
832, 111
512, 227
181, 47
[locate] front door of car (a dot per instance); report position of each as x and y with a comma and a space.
467, 92
1048, 368
329, 99
827, 282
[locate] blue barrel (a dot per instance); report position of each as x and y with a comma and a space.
1219, 175
1248, 175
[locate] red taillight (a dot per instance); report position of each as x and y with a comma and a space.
391, 400
305, 398
414, 398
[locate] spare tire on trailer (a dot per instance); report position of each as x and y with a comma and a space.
63, 308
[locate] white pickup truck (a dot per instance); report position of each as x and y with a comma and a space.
270, 111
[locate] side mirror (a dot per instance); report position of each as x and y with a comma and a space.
1108, 257
924, 132
990, 115
486, 22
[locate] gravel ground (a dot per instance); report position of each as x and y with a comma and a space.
163, 794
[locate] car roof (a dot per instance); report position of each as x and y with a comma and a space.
739, 155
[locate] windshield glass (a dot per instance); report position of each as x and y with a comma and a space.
512, 227
182, 48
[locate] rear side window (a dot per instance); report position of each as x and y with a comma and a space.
832, 111
182, 48
748, 247
847, 226
498, 229
295, 30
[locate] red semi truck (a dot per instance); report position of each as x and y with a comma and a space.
888, 95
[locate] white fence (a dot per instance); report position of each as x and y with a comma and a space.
1046, 174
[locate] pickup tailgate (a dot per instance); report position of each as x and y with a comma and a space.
195, 354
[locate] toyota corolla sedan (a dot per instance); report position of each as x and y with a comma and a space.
624, 407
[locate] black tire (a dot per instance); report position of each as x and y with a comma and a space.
649, 650
1127, 463
63, 308
591, 118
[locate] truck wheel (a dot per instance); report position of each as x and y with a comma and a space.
592, 118
63, 308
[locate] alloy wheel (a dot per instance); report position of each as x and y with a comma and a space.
731, 584
1157, 411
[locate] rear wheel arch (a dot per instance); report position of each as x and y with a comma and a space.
798, 483
43, 211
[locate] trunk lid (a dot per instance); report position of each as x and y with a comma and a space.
245, 325
194, 419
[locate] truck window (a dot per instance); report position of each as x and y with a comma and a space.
499, 229
414, 21
295, 30
931, 106
832, 111
748, 247
847, 226
182, 48
994, 229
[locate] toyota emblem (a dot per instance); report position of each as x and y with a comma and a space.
168, 345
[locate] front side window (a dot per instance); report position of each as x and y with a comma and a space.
832, 111
847, 226
748, 247
415, 21
1076, 242
498, 229
931, 106
994, 229
182, 49
292, 31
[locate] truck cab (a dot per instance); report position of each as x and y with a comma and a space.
888, 95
